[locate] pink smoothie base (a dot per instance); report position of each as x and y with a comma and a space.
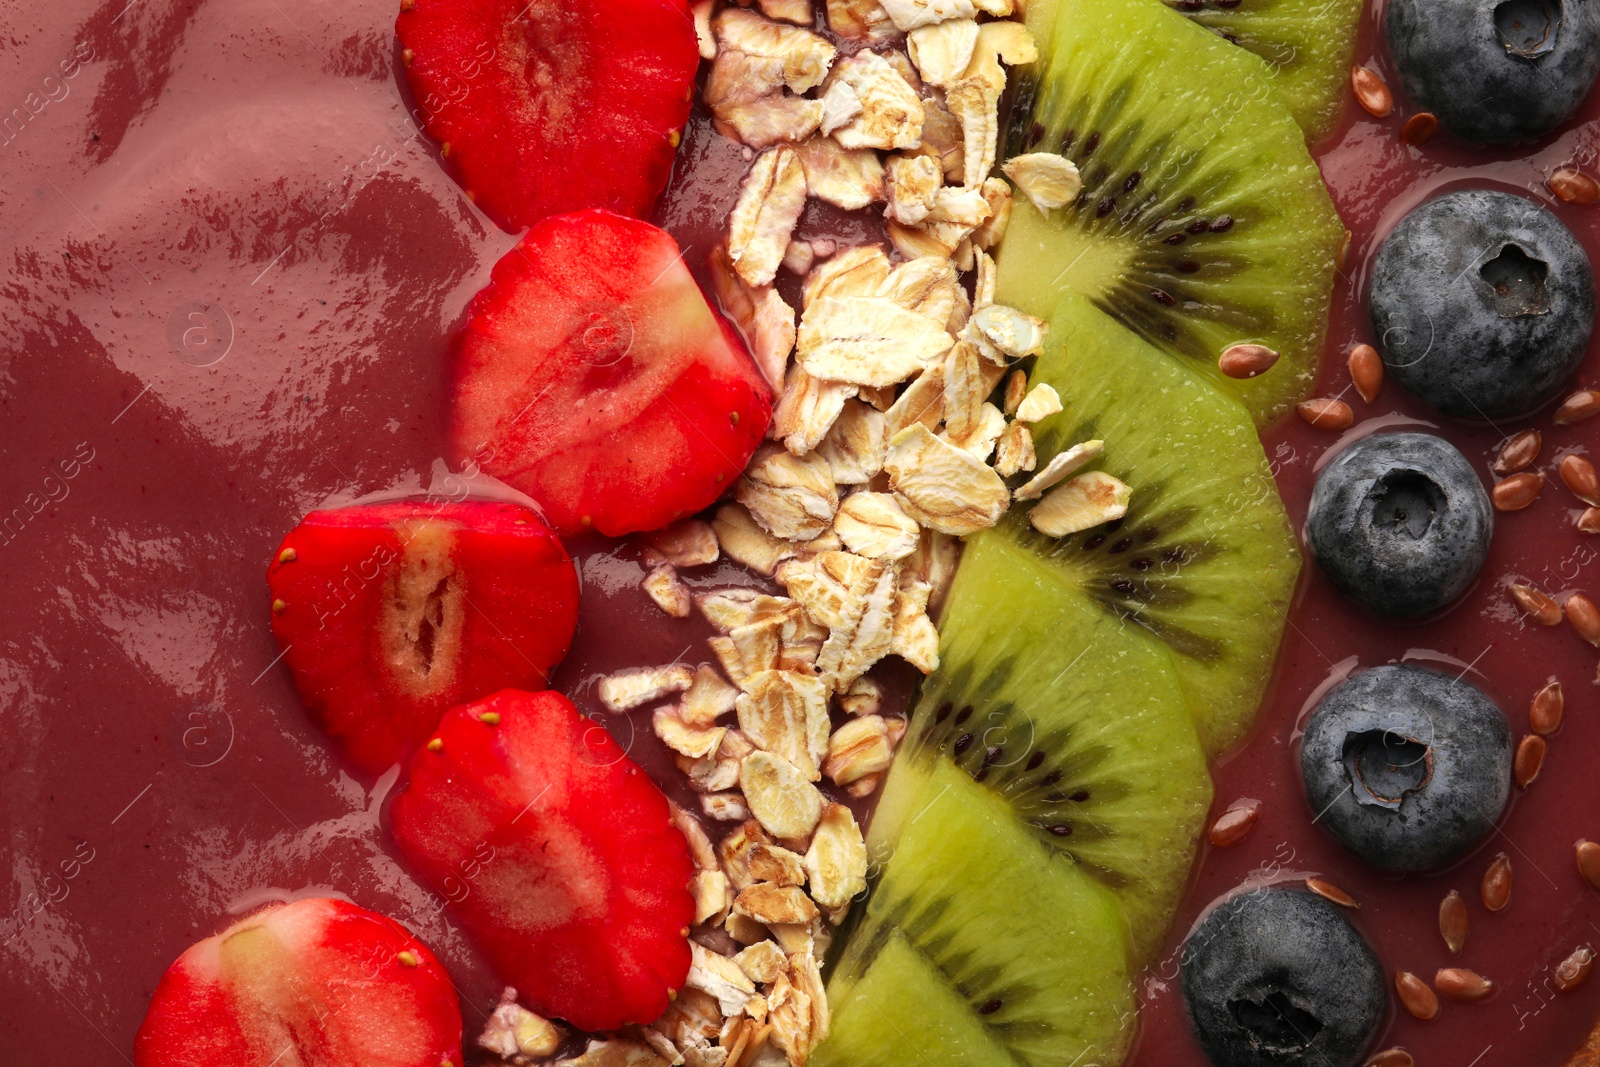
235, 269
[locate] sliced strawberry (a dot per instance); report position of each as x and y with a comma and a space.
548, 107
389, 614
593, 376
315, 983
557, 852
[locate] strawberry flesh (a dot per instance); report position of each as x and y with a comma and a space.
558, 855
548, 107
314, 983
389, 614
593, 376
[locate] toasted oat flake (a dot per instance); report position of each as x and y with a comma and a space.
766, 322
779, 796
840, 106
941, 486
807, 977
728, 609
763, 962
807, 410
789, 1012
514, 1033
807, 57
963, 390
856, 444
1062, 466
858, 748
792, 497
719, 976
922, 403
776, 864
876, 526
1049, 179
711, 897
975, 103
795, 11
859, 271
685, 543
1081, 504
735, 849
696, 742
913, 183
836, 862
928, 285
1004, 333
799, 257
770, 202
786, 713
757, 647
768, 903
943, 50
744, 541
831, 586
916, 639
908, 15
858, 19
891, 112
668, 591
712, 775
725, 807
630, 689
869, 341
708, 697
1041, 402
614, 1052
768, 120
1014, 452
850, 178
997, 194
863, 697
866, 637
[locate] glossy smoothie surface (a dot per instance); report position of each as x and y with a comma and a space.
235, 266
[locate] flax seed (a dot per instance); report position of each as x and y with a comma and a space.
1458, 983
1573, 186
1366, 371
1544, 714
1584, 618
1518, 491
1588, 854
1543, 608
1570, 972
1419, 128
1579, 407
1328, 891
1519, 452
1453, 922
1232, 826
1529, 760
1419, 1001
1578, 474
1326, 413
1371, 92
1495, 891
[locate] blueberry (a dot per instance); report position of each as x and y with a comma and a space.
1400, 522
1407, 767
1277, 976
1497, 71
1483, 303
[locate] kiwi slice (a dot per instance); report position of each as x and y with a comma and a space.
1203, 221
979, 947
1083, 734
1039, 823
1205, 562
1306, 49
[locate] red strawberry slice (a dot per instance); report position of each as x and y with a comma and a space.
315, 983
549, 107
389, 614
593, 376
558, 855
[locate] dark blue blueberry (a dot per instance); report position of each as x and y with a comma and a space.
1483, 303
1400, 522
1407, 767
1276, 977
1497, 71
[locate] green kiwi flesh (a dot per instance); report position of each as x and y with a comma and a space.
1203, 222
1305, 48
1038, 825
979, 947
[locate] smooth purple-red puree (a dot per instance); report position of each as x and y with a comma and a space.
235, 270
